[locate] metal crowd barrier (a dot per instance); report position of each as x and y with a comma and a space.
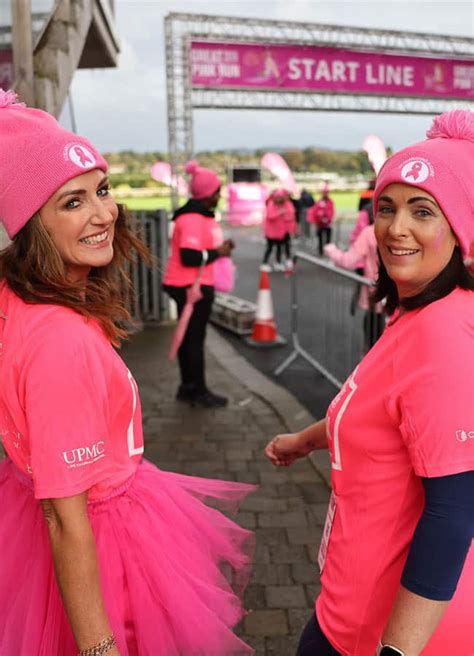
150, 302
336, 341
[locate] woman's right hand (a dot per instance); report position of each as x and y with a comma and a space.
284, 449
226, 248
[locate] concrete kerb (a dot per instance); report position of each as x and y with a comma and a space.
289, 410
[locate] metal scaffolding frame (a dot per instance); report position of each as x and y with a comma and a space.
181, 29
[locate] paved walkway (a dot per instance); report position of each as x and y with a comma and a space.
288, 511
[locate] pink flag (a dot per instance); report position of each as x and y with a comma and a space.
375, 150
193, 295
161, 171
280, 169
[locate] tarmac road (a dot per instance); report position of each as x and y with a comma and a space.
316, 325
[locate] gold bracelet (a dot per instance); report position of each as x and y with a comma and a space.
101, 648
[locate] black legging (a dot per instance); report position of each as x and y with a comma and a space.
324, 236
191, 351
287, 245
271, 243
313, 642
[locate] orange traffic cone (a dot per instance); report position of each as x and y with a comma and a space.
264, 329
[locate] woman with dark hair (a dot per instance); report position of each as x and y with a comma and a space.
197, 242
363, 252
396, 556
101, 552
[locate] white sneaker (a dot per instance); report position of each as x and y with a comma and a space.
289, 265
278, 267
265, 267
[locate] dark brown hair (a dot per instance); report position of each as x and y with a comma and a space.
33, 269
455, 274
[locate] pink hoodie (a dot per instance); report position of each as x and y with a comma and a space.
363, 249
279, 219
362, 221
322, 212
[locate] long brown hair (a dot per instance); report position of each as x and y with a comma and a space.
33, 269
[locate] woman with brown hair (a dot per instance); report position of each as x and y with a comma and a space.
102, 552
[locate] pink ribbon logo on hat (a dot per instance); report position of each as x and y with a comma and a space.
81, 156
415, 171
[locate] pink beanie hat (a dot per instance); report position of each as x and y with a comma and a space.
443, 165
37, 156
204, 182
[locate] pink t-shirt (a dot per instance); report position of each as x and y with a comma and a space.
279, 220
199, 233
70, 415
406, 412
363, 250
363, 220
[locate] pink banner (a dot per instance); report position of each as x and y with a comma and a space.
280, 169
314, 68
376, 152
161, 171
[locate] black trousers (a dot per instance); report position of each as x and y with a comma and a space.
287, 245
313, 642
191, 352
272, 243
324, 236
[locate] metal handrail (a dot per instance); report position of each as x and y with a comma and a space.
298, 351
325, 264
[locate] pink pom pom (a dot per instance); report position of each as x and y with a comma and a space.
457, 124
9, 98
191, 167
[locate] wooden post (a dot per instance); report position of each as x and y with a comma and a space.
22, 46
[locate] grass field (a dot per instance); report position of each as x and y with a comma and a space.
344, 200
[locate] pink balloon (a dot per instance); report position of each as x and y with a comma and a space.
161, 172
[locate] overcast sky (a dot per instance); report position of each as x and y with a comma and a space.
125, 108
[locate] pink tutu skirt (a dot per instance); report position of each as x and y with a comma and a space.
172, 569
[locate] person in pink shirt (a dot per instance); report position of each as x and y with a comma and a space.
279, 226
365, 217
320, 218
196, 244
363, 252
396, 557
102, 553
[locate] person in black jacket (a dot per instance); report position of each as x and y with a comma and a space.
196, 243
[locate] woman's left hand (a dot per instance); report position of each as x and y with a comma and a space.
284, 449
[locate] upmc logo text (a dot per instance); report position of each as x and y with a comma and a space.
463, 436
84, 455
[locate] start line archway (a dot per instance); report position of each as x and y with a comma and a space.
227, 62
